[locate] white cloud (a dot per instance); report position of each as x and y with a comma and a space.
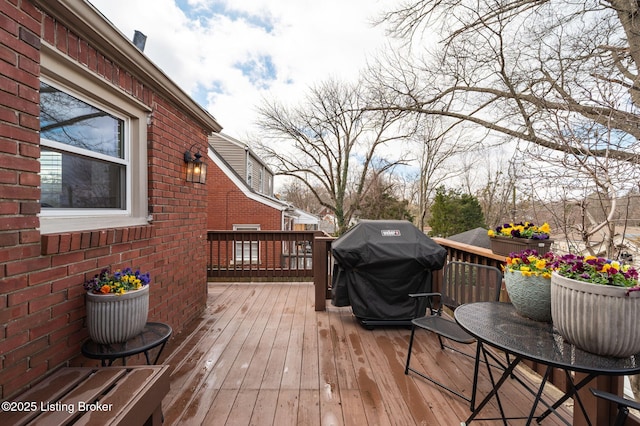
284, 45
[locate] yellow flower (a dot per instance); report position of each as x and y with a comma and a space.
545, 228
546, 275
541, 264
491, 233
526, 273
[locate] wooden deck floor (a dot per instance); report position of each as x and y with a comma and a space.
261, 355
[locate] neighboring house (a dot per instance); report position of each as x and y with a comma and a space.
237, 206
328, 222
241, 192
304, 221
92, 175
255, 173
240, 195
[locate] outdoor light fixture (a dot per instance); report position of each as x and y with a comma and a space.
196, 168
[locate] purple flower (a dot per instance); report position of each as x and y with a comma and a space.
118, 282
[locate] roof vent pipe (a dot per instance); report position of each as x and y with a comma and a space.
139, 40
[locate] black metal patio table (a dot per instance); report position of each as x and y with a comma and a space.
154, 334
497, 325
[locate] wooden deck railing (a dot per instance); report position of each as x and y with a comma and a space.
598, 409
466, 253
472, 254
238, 255
455, 251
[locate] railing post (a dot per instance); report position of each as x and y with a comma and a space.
600, 412
321, 246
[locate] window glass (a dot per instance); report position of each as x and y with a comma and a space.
249, 172
68, 120
83, 162
73, 182
246, 251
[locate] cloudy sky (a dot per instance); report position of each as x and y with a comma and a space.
228, 55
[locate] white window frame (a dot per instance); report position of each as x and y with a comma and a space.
269, 182
66, 148
249, 171
71, 77
261, 180
243, 249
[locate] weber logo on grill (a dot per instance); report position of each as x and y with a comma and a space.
390, 232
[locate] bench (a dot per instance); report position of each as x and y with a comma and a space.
92, 396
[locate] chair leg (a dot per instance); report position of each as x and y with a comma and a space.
441, 342
413, 332
476, 368
623, 412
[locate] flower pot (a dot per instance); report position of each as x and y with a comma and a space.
505, 245
596, 318
530, 295
113, 318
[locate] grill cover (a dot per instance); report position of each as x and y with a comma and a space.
378, 263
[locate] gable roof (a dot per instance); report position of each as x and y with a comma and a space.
242, 185
300, 216
240, 145
475, 237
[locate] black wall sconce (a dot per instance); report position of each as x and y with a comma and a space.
196, 168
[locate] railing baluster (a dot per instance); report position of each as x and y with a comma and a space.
245, 254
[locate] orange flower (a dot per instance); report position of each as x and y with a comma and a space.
105, 289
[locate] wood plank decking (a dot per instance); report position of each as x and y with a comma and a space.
261, 355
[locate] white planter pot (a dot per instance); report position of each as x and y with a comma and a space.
115, 318
530, 296
596, 318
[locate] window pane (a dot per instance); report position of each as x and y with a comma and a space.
71, 121
246, 251
71, 181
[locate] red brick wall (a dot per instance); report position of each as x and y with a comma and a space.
228, 205
41, 276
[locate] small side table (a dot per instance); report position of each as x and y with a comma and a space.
154, 334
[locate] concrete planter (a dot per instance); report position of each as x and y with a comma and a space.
530, 296
596, 318
505, 245
115, 319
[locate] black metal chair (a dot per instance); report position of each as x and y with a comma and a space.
462, 283
623, 405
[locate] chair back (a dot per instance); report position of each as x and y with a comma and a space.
465, 282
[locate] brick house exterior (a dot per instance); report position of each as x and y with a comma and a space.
46, 257
245, 162
233, 203
241, 192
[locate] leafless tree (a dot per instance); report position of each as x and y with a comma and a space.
437, 148
331, 141
510, 65
593, 191
561, 76
299, 195
498, 196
